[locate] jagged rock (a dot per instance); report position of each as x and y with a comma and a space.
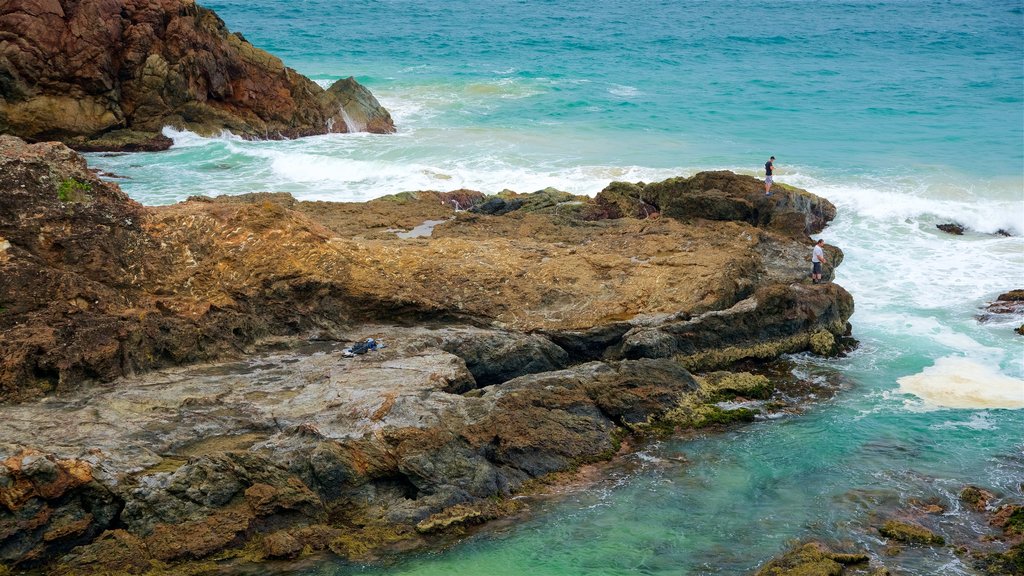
1011, 296
721, 195
281, 544
110, 74
952, 228
306, 442
1011, 302
96, 286
976, 498
517, 346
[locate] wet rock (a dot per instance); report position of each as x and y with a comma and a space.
1011, 296
323, 451
812, 559
110, 74
910, 533
497, 206
951, 228
975, 498
732, 385
1009, 518
49, 504
1011, 302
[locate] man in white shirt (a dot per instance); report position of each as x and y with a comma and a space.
817, 257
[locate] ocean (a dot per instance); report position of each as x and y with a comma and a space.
905, 114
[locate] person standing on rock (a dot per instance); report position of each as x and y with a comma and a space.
817, 257
769, 167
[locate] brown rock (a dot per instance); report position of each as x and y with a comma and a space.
110, 74
811, 559
197, 539
910, 533
975, 498
281, 545
101, 287
517, 346
1011, 302
1012, 296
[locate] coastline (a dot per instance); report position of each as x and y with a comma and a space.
174, 392
490, 379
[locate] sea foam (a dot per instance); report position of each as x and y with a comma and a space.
958, 382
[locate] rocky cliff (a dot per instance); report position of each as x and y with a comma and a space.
110, 74
527, 334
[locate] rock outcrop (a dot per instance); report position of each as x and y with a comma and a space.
110, 74
817, 559
518, 345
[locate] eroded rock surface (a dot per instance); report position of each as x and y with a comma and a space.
110, 74
518, 345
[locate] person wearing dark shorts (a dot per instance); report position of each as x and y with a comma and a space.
817, 257
769, 167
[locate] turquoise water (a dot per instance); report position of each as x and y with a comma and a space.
905, 114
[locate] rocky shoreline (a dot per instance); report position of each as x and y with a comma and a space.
104, 75
526, 335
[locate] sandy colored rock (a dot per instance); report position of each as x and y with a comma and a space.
110, 74
117, 288
515, 346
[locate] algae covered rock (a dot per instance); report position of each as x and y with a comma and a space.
823, 343
910, 533
976, 498
811, 559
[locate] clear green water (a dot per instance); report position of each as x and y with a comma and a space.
904, 113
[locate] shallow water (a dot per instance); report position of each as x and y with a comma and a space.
905, 114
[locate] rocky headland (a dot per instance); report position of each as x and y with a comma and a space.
110, 74
177, 392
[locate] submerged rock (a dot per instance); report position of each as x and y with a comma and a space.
952, 228
110, 74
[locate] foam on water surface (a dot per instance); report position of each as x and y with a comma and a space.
958, 382
903, 114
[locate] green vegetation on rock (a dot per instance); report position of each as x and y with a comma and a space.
910, 533
823, 343
71, 190
1015, 523
811, 559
